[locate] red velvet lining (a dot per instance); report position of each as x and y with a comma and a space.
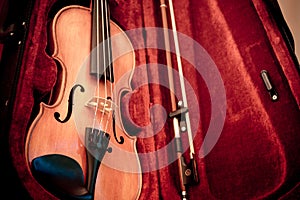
257, 153
1, 49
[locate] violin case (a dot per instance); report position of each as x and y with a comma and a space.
257, 154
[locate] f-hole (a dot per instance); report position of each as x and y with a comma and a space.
70, 105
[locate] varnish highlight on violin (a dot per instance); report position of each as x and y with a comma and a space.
82, 127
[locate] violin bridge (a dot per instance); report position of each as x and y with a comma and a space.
101, 104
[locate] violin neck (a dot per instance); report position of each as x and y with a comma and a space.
101, 53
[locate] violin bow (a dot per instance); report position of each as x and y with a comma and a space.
188, 173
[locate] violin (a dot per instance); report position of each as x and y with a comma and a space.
77, 146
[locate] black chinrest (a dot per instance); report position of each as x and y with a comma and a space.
61, 175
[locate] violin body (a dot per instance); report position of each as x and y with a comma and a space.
71, 31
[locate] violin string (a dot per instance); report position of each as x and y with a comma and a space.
104, 60
109, 67
95, 54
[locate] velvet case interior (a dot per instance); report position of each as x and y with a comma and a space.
225, 45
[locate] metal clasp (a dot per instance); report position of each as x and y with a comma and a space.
269, 85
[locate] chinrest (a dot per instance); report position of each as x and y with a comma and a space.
60, 175
63, 176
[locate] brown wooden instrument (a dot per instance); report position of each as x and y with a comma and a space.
82, 124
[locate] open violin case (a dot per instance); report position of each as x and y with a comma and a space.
246, 87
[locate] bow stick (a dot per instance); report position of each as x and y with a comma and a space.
188, 174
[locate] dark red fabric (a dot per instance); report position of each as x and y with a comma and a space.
1, 45
257, 154
1, 49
